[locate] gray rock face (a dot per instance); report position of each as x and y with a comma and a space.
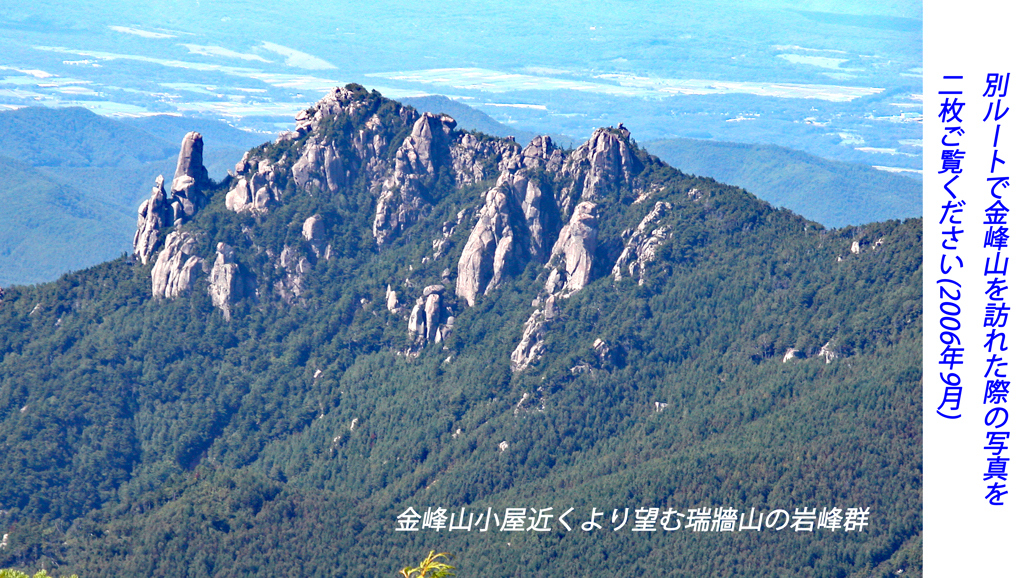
542, 154
571, 264
540, 215
515, 224
320, 165
485, 258
531, 346
256, 188
432, 313
445, 331
403, 195
573, 253
186, 198
177, 266
391, 299
425, 320
418, 320
641, 244
602, 163
154, 215
314, 233
190, 159
190, 178
226, 284
295, 266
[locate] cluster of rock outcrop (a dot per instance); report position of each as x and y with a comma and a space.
521, 212
515, 224
178, 265
403, 182
570, 264
641, 244
185, 199
425, 319
544, 207
257, 187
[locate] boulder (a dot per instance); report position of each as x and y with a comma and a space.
391, 299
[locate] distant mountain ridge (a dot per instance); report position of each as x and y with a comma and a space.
833, 193
102, 167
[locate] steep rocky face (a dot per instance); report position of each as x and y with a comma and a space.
314, 233
516, 222
257, 186
432, 309
486, 257
573, 253
543, 154
227, 285
190, 159
531, 346
571, 265
295, 267
603, 163
177, 266
190, 178
186, 198
641, 244
320, 165
154, 215
405, 194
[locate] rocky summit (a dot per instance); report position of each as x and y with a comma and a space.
383, 335
540, 204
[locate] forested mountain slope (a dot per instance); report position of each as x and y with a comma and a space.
380, 311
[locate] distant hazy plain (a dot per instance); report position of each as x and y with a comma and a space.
838, 79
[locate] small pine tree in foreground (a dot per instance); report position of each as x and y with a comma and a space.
430, 567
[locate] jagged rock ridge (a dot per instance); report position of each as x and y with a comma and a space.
543, 206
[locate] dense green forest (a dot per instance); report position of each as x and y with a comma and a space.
764, 362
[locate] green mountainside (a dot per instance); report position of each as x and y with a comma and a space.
381, 311
833, 193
